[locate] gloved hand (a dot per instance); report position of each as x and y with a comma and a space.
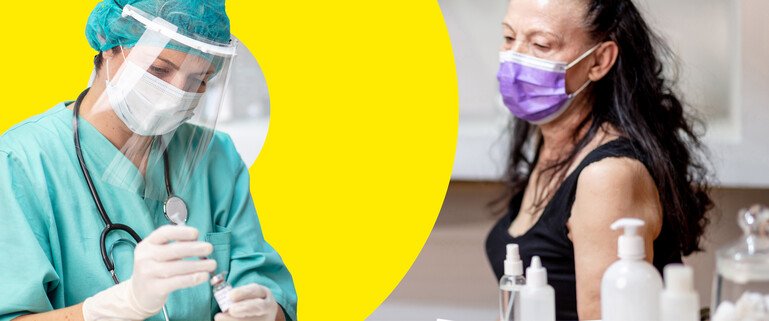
251, 302
158, 271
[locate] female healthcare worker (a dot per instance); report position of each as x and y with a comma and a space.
120, 205
599, 135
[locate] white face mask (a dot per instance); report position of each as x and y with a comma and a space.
148, 105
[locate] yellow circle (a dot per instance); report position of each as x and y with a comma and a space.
362, 132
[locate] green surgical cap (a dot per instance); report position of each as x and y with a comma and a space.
198, 19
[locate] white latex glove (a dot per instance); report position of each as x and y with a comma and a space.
251, 302
158, 271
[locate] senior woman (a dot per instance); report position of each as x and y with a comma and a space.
599, 135
122, 204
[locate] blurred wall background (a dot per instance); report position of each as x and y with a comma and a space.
245, 113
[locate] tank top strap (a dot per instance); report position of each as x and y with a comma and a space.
562, 201
620, 147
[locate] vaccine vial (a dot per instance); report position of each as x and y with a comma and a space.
221, 289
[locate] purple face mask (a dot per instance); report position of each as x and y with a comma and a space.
535, 89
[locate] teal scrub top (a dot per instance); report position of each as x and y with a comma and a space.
50, 228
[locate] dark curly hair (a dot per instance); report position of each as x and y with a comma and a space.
637, 99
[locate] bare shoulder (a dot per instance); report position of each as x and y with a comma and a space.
617, 187
616, 174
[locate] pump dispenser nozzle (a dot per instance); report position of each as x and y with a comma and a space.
630, 244
513, 264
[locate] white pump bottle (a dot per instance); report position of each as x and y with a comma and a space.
537, 298
631, 287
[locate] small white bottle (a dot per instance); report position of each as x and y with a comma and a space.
510, 286
630, 288
537, 298
679, 301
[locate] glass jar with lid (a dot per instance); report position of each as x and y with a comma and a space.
742, 267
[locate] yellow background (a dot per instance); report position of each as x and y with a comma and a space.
362, 134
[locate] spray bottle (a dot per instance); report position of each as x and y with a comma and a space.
510, 286
631, 287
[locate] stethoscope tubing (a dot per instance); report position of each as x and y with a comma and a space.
109, 226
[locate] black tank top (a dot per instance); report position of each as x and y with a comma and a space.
549, 240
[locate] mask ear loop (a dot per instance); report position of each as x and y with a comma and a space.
575, 93
583, 56
108, 71
122, 52
576, 61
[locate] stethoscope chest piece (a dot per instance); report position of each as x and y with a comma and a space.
175, 210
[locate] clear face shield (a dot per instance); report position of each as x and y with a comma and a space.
167, 93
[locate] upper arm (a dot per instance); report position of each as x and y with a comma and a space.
26, 279
608, 190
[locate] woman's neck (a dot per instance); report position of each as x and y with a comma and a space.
560, 136
95, 109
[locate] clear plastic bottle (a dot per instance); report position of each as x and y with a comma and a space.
221, 289
510, 286
742, 268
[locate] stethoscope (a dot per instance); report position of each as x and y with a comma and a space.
173, 204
